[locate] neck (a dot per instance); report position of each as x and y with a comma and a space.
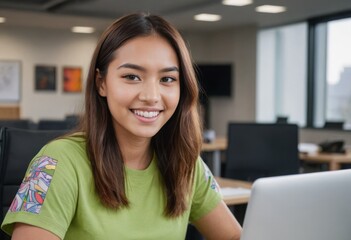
136, 154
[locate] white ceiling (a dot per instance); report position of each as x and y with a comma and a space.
99, 13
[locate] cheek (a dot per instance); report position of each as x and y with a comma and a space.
173, 98
118, 95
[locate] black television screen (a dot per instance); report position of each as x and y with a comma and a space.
215, 79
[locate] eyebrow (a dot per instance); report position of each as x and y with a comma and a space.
140, 68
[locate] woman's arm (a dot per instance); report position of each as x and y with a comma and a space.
28, 232
219, 224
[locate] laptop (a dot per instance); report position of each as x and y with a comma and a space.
310, 206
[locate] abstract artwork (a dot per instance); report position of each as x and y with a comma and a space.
10, 80
45, 78
72, 79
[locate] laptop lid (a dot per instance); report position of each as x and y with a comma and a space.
311, 206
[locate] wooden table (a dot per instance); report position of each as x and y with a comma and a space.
334, 160
232, 200
218, 145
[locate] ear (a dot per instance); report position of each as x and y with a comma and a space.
100, 83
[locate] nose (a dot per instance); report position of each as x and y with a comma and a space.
150, 92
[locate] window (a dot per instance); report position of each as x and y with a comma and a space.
282, 74
332, 72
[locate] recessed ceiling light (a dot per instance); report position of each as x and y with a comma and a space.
2, 19
207, 17
80, 29
237, 2
270, 9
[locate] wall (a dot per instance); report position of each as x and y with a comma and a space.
47, 47
237, 46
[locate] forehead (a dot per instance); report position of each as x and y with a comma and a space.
152, 47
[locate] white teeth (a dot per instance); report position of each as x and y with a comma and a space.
146, 114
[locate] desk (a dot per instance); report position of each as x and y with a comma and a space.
232, 200
333, 159
218, 145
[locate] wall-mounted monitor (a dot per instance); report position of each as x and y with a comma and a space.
215, 79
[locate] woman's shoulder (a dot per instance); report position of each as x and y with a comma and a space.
66, 147
68, 142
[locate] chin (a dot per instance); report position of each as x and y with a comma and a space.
146, 134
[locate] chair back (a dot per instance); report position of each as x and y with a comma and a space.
17, 123
17, 149
51, 124
261, 150
334, 125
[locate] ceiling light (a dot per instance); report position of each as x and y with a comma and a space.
80, 29
207, 17
236, 2
2, 19
270, 9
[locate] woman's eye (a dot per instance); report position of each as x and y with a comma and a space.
131, 77
168, 79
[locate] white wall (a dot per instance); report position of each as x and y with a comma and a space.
237, 46
47, 47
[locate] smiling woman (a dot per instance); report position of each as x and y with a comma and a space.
132, 169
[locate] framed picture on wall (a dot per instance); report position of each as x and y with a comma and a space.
72, 79
10, 80
45, 78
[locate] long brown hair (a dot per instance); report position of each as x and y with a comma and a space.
178, 143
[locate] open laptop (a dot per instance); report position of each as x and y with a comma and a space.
311, 206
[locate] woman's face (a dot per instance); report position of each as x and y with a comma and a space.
142, 86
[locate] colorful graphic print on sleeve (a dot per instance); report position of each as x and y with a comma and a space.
31, 194
209, 177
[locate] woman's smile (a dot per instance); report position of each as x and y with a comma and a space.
146, 116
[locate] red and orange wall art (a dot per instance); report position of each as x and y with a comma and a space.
72, 79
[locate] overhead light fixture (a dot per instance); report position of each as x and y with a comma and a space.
2, 19
239, 3
80, 29
270, 9
207, 17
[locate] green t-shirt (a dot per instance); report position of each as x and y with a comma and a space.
58, 194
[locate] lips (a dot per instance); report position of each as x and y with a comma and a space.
146, 114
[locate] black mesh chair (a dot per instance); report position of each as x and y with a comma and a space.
260, 150
51, 124
282, 119
72, 120
334, 125
17, 123
17, 148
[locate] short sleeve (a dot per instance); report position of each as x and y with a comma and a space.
48, 194
206, 195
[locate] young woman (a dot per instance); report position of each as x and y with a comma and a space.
133, 170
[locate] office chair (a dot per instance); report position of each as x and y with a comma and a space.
72, 120
281, 119
50, 124
334, 125
260, 150
17, 123
17, 148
